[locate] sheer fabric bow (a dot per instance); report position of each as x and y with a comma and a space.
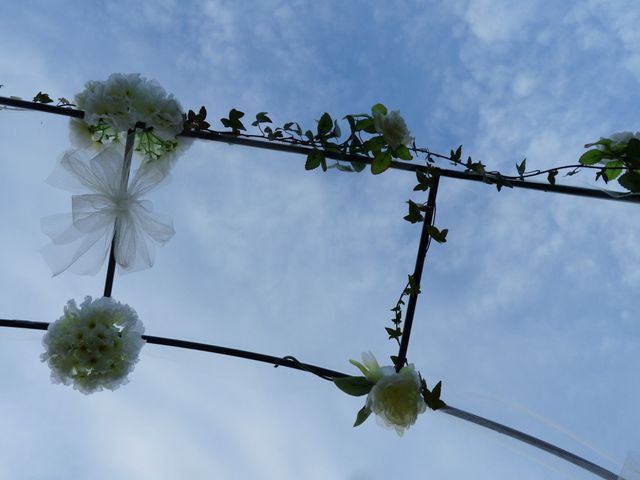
112, 211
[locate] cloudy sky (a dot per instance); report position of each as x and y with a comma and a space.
529, 312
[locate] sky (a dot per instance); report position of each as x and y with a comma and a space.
528, 313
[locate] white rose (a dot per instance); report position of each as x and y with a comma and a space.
396, 398
621, 137
393, 127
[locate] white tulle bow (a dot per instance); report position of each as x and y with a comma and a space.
82, 240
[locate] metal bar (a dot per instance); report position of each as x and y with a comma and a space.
124, 181
286, 362
417, 272
397, 165
41, 107
530, 440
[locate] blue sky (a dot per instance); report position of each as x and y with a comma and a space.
528, 313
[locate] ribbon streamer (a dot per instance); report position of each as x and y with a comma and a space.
81, 240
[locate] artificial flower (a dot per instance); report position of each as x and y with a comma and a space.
93, 346
395, 397
122, 102
106, 208
622, 137
393, 127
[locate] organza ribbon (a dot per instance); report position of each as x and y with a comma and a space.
111, 211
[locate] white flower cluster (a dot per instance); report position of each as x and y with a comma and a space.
621, 138
114, 106
93, 346
393, 127
395, 398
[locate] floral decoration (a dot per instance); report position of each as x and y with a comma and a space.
124, 102
108, 211
93, 346
395, 397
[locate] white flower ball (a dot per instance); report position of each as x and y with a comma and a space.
393, 127
396, 398
123, 100
93, 346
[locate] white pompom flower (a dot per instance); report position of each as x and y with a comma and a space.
393, 127
94, 346
118, 104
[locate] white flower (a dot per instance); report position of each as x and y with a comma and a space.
93, 346
395, 398
393, 127
116, 105
622, 137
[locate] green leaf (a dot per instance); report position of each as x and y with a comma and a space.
362, 416
439, 236
414, 215
432, 398
605, 142
379, 108
613, 170
314, 159
412, 288
437, 390
42, 98
202, 114
551, 177
393, 332
233, 122
325, 124
261, 117
309, 135
500, 182
381, 162
522, 168
358, 166
630, 181
424, 182
455, 156
633, 153
293, 127
367, 125
403, 153
375, 144
591, 157
356, 386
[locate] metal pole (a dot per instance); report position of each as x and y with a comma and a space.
248, 141
417, 272
124, 182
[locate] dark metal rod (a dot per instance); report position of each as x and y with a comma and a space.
397, 165
530, 440
417, 272
284, 362
124, 181
41, 107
